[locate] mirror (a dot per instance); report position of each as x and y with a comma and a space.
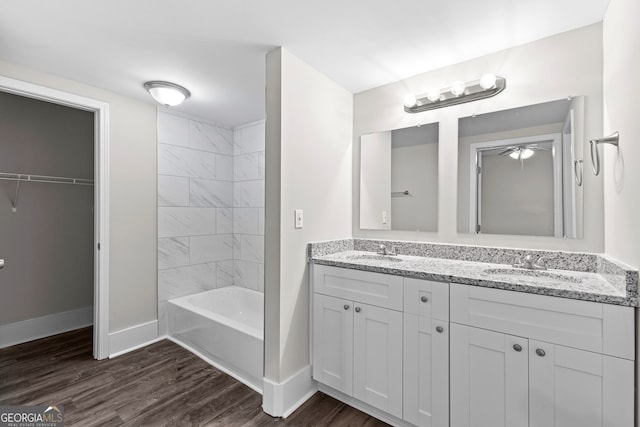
399, 179
520, 171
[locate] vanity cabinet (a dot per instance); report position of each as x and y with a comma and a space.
530, 360
357, 335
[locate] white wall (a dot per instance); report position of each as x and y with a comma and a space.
375, 181
621, 175
541, 71
248, 206
132, 184
48, 242
195, 199
308, 166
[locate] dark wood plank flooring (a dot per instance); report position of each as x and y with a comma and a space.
159, 385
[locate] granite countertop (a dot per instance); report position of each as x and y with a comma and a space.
583, 285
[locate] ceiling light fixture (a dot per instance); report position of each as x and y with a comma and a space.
167, 93
458, 93
521, 153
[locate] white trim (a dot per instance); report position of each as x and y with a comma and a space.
101, 225
214, 363
556, 143
40, 327
281, 399
133, 338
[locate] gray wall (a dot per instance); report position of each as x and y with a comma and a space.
48, 243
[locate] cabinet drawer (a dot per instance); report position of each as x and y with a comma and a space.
382, 290
586, 325
426, 298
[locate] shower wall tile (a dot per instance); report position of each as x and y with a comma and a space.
173, 191
203, 136
224, 273
246, 220
173, 130
246, 167
181, 281
176, 222
224, 221
253, 138
163, 321
211, 193
236, 246
245, 274
180, 161
173, 252
261, 277
248, 194
261, 221
224, 167
252, 248
211, 248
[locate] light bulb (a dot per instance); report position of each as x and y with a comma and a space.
521, 153
457, 87
410, 101
433, 94
488, 81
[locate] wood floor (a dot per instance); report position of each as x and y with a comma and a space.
159, 385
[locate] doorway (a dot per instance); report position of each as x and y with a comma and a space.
100, 241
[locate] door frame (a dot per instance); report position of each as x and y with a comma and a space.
101, 196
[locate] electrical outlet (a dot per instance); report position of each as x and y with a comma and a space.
299, 218
384, 217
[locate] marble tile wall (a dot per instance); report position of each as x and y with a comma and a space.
195, 208
248, 206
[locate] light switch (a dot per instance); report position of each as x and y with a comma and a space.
384, 217
299, 218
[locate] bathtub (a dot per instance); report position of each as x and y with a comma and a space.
223, 326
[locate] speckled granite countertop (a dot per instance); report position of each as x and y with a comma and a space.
602, 285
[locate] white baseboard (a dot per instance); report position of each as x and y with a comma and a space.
133, 338
281, 399
40, 327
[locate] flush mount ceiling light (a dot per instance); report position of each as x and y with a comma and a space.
458, 93
167, 93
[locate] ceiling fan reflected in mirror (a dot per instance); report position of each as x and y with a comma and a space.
522, 152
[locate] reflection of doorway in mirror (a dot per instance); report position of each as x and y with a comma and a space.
518, 186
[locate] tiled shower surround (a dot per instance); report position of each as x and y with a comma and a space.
210, 207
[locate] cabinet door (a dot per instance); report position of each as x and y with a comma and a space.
426, 371
377, 357
333, 342
570, 387
489, 378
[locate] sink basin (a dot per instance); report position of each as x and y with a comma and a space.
540, 275
374, 257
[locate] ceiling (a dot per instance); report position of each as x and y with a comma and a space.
216, 48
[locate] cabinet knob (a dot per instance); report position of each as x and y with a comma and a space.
517, 347
540, 352
439, 329
346, 306
424, 298
357, 309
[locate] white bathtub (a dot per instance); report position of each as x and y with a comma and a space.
225, 327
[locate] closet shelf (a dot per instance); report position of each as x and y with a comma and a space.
23, 177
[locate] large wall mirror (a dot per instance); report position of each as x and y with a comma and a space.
399, 179
520, 171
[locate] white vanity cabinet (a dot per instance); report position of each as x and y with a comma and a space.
357, 335
426, 353
530, 360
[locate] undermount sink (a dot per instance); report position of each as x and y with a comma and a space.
374, 257
534, 274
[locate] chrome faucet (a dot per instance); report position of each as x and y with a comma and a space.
530, 264
384, 251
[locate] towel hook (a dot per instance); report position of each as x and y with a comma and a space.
612, 139
578, 171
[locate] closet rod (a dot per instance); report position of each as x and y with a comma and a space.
6, 176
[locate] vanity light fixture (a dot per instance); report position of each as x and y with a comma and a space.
458, 93
167, 93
